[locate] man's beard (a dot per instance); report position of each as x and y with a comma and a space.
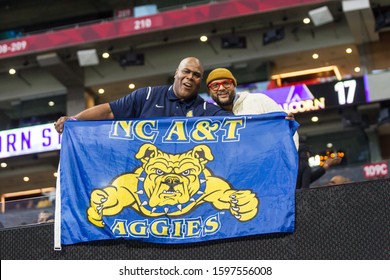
225, 102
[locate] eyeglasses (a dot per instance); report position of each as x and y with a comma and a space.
215, 86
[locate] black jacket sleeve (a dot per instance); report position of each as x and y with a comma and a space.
316, 173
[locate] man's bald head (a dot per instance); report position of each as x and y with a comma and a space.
188, 77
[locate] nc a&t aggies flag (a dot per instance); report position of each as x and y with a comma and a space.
176, 180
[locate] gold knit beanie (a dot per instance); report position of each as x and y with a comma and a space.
220, 73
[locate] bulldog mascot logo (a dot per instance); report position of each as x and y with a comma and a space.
170, 185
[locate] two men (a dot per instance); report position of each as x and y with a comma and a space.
182, 99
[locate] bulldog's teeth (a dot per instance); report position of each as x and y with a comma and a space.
141, 179
140, 192
199, 192
144, 203
166, 210
202, 181
179, 206
192, 199
153, 209
170, 192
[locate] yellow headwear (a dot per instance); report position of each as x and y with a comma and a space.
220, 73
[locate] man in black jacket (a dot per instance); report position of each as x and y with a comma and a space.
306, 174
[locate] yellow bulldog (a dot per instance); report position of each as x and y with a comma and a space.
170, 185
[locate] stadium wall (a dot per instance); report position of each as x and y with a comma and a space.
349, 221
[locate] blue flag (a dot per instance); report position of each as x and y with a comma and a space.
176, 180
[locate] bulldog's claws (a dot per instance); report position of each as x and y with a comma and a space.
99, 208
236, 209
234, 201
103, 200
144, 203
237, 217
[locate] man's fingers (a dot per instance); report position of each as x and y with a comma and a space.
59, 124
290, 117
